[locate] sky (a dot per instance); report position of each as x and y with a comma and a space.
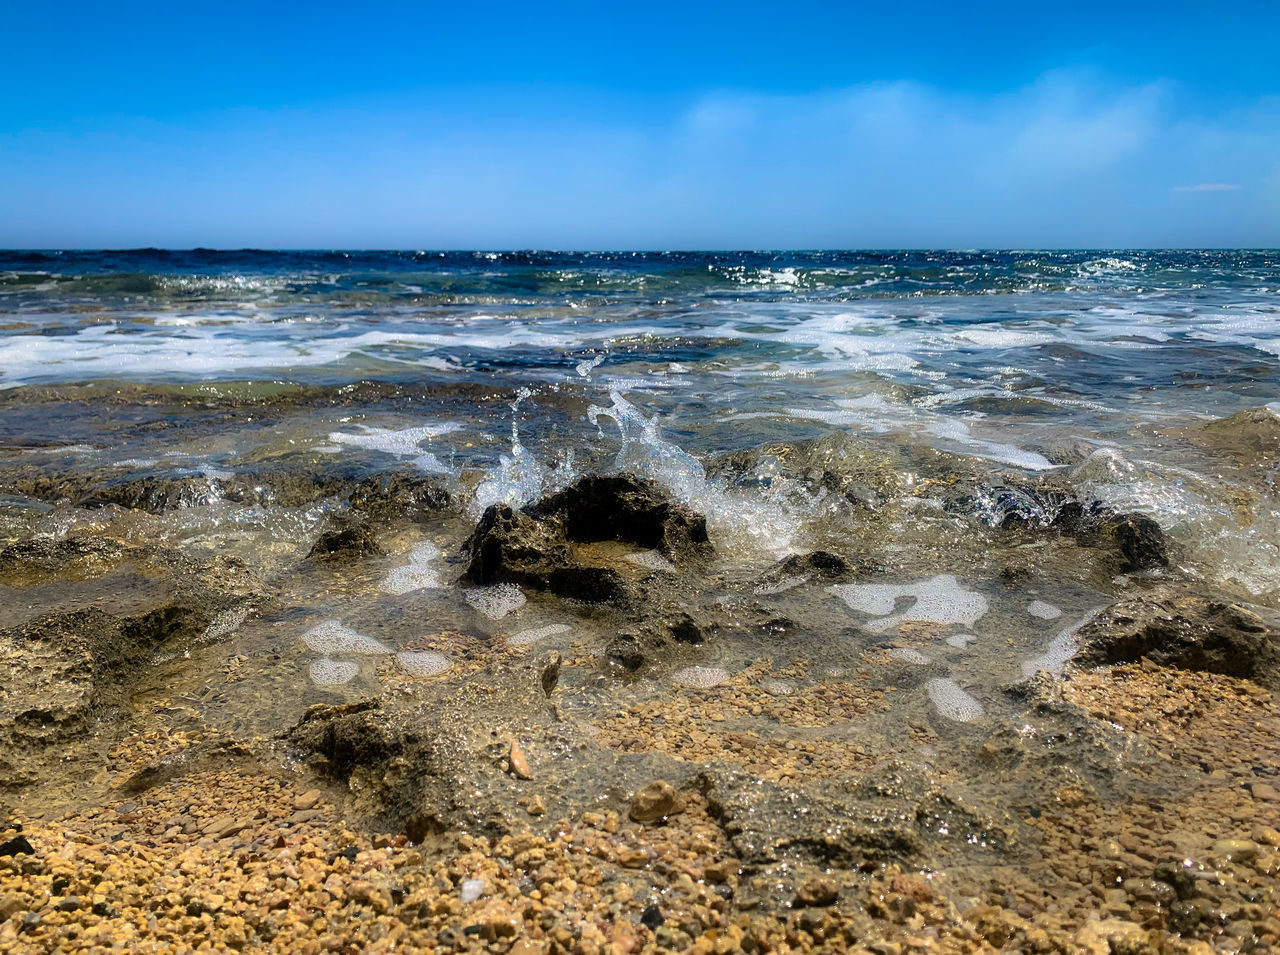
648, 126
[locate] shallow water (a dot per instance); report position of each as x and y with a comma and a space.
506, 376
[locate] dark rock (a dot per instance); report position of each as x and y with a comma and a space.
16, 846
629, 650
1175, 627
399, 496
539, 546
651, 918
684, 629
625, 508
346, 544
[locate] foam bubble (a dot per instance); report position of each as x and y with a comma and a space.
400, 443
777, 687
333, 637
326, 672
700, 677
527, 638
951, 701
1060, 649
417, 574
497, 601
1038, 608
652, 560
423, 662
908, 655
960, 640
939, 599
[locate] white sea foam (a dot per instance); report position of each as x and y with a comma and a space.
951, 700
939, 599
1060, 649
700, 677
960, 640
400, 442
909, 655
526, 638
326, 672
1045, 611
652, 560
418, 574
422, 662
497, 601
332, 637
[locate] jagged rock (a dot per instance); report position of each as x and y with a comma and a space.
1175, 627
346, 544
399, 496
539, 546
625, 508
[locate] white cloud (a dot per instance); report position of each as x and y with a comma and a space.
1208, 187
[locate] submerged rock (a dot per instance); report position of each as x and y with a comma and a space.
346, 544
540, 546
1175, 627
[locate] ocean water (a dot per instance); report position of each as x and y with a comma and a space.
892, 407
1076, 365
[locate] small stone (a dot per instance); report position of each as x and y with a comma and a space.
519, 762
18, 845
307, 800
1235, 850
1265, 792
656, 801
535, 807
10, 905
1108, 936
471, 890
819, 890
651, 917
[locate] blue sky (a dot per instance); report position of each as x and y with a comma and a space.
654, 126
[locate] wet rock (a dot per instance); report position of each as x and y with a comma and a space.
1173, 626
626, 508
518, 762
80, 555
632, 649
891, 814
540, 546
655, 801
820, 890
399, 496
346, 544
1250, 437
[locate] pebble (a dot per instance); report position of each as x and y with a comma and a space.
819, 890
307, 800
518, 762
655, 801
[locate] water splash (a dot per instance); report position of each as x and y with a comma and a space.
770, 523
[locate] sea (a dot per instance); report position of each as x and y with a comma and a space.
1147, 382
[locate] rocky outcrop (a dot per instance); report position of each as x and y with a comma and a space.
345, 545
542, 546
1176, 627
